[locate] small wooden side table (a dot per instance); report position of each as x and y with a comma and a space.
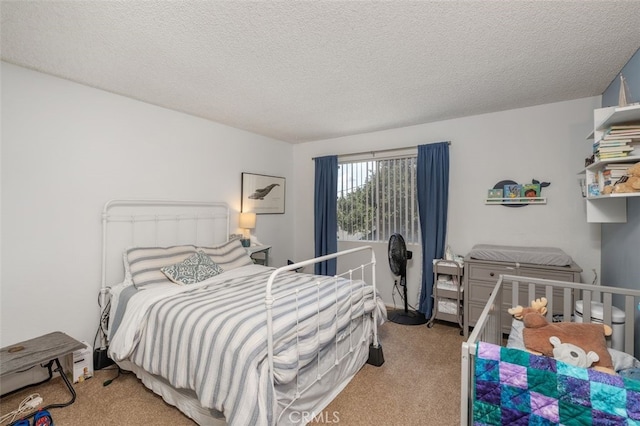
45, 349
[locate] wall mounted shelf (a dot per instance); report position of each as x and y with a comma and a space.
610, 208
515, 201
611, 116
620, 195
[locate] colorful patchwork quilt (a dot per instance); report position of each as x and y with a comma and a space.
514, 387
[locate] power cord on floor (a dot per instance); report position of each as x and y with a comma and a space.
120, 371
31, 402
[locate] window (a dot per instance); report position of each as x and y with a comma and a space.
377, 198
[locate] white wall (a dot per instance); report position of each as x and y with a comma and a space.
66, 150
546, 142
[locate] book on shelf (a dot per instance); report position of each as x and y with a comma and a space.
530, 190
617, 128
511, 191
631, 129
612, 143
615, 146
494, 195
622, 148
611, 155
616, 173
619, 165
624, 126
619, 136
626, 135
630, 132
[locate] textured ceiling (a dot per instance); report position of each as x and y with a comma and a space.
310, 70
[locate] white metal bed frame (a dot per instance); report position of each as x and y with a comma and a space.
181, 212
489, 328
127, 211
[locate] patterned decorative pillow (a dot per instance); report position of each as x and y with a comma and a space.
196, 268
144, 263
229, 255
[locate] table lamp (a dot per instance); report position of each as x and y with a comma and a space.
247, 223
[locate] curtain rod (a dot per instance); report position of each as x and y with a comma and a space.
352, 154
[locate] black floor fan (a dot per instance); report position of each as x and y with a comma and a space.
398, 256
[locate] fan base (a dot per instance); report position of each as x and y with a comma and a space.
406, 318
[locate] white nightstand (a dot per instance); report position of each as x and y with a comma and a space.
259, 254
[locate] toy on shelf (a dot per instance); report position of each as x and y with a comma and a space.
629, 183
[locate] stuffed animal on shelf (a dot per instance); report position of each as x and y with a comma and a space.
627, 184
537, 332
571, 354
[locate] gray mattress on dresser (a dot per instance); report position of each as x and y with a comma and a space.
533, 255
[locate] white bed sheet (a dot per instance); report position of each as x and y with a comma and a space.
314, 401
323, 392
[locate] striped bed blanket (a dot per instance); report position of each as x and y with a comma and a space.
515, 387
211, 337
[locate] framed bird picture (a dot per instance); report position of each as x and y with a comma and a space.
262, 194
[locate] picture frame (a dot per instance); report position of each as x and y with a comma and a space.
262, 194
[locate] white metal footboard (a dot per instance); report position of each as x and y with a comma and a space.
352, 274
524, 290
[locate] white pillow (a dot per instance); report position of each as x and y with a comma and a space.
229, 255
194, 269
144, 263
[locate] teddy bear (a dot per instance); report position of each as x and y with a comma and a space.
572, 354
627, 184
537, 331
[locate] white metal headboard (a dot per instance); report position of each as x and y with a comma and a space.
157, 223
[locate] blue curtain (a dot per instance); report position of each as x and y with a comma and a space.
433, 200
326, 213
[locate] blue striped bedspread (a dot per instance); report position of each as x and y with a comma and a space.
211, 337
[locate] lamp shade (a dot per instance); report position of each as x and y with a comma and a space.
247, 220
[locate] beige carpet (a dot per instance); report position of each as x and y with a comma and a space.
419, 384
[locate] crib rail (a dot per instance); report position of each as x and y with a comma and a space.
487, 329
624, 299
525, 289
